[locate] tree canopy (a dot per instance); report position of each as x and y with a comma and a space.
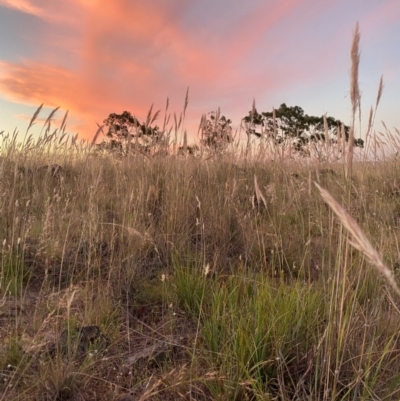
125, 133
216, 131
292, 123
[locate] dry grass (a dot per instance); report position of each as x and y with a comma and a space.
118, 244
360, 241
211, 277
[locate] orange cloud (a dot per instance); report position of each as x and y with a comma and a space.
34, 83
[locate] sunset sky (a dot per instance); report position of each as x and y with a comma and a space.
96, 57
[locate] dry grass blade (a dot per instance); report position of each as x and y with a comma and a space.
202, 123
380, 90
274, 123
148, 118
64, 121
166, 115
34, 117
185, 142
355, 63
63, 135
359, 239
326, 132
49, 118
217, 116
180, 121
253, 111
259, 195
371, 113
176, 123
343, 139
96, 135
154, 118
355, 96
186, 102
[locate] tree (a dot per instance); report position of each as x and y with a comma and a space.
216, 131
292, 123
190, 150
126, 134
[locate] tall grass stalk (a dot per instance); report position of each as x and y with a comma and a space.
354, 96
359, 239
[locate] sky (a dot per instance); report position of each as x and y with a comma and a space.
94, 58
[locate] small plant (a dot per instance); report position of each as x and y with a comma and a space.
57, 380
13, 354
269, 329
191, 286
13, 274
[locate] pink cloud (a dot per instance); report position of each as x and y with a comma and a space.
124, 32
34, 83
24, 6
54, 12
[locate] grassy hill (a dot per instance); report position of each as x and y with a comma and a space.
203, 278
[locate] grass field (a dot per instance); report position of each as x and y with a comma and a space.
218, 277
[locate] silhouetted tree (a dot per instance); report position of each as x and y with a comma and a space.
190, 150
292, 122
216, 131
126, 134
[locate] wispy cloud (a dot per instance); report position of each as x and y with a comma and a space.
24, 6
34, 83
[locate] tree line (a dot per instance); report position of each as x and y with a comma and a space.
125, 133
